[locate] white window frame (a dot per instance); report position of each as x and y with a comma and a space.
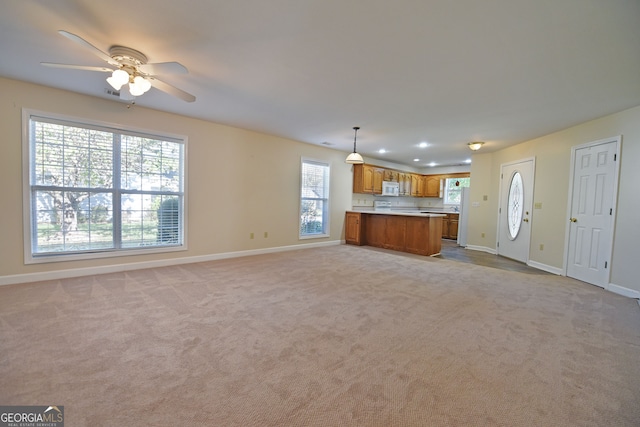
446, 200
325, 199
29, 256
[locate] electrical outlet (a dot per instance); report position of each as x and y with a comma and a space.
251, 235
541, 247
537, 205
266, 234
482, 235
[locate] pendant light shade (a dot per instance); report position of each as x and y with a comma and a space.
354, 158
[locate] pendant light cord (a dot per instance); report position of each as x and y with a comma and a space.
355, 136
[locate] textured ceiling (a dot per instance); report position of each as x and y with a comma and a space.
407, 71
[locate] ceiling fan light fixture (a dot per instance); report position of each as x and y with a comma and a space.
354, 158
476, 145
118, 78
139, 86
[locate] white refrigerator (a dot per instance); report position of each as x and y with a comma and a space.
464, 217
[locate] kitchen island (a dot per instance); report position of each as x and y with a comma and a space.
413, 232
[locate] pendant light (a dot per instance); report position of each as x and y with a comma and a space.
354, 158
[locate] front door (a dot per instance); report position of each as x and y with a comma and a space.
514, 214
595, 184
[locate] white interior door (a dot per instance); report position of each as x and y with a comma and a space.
592, 204
514, 214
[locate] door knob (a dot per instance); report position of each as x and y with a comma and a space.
573, 219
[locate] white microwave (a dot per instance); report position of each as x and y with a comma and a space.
390, 188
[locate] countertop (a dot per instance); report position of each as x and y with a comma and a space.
400, 212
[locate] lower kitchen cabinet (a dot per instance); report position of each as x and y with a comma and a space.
353, 228
450, 226
414, 234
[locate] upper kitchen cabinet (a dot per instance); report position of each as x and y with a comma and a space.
367, 179
432, 186
391, 175
417, 185
404, 178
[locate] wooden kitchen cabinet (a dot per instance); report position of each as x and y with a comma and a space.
417, 185
375, 230
420, 236
367, 179
391, 175
414, 234
404, 179
453, 226
432, 186
353, 228
450, 226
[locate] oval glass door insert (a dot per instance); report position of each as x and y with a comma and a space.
515, 204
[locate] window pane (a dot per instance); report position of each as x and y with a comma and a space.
314, 198
151, 165
312, 215
453, 190
68, 156
73, 221
150, 220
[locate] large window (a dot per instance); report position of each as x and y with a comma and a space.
453, 190
314, 199
99, 190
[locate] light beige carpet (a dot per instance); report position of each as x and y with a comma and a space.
336, 336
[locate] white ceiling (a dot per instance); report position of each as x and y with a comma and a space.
405, 71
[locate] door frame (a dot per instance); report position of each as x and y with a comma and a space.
500, 191
618, 140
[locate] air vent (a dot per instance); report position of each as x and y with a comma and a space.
112, 92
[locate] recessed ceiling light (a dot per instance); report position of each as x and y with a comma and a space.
416, 160
468, 161
423, 145
432, 164
382, 151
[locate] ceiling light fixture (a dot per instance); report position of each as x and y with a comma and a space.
138, 85
354, 158
476, 145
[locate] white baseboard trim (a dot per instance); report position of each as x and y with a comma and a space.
621, 290
544, 267
482, 249
88, 271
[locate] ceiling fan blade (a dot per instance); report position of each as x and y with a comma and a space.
171, 90
77, 67
104, 56
163, 68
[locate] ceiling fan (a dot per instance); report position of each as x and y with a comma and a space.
131, 75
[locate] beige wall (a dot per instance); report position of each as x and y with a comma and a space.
238, 181
553, 154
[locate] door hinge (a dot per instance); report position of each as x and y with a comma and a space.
615, 156
605, 264
497, 244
